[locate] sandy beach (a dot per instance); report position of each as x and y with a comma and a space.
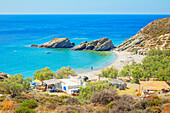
123, 58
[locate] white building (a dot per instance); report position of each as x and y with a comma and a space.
70, 86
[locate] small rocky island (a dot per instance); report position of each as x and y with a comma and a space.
103, 44
56, 43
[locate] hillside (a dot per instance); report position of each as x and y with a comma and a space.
155, 35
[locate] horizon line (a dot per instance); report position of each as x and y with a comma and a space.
76, 13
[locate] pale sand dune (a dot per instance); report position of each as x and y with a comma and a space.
123, 58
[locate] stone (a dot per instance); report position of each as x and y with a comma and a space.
56, 43
97, 45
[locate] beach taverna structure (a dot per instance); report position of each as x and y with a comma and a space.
55, 82
150, 86
70, 85
118, 83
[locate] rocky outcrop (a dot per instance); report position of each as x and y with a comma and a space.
103, 44
3, 76
34, 45
56, 43
155, 35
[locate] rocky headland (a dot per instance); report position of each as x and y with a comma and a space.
155, 35
103, 44
56, 43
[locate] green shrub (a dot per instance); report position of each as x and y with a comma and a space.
74, 111
134, 81
72, 101
24, 110
109, 72
63, 97
2, 99
19, 100
110, 104
46, 94
30, 104
87, 92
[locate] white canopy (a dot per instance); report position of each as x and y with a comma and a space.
51, 81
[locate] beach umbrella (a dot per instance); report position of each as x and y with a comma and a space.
36, 81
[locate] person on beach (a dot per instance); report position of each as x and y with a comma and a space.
91, 68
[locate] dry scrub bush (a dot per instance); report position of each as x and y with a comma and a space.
166, 110
9, 105
112, 100
102, 110
70, 109
51, 106
142, 104
104, 97
72, 101
121, 106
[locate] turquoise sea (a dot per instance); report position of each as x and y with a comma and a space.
19, 31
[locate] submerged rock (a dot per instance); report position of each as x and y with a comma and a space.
56, 43
103, 44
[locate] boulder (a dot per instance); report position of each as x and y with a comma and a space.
105, 46
97, 45
34, 45
81, 46
56, 43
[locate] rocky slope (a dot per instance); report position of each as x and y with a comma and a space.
155, 35
103, 44
56, 43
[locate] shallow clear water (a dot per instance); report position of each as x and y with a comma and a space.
18, 31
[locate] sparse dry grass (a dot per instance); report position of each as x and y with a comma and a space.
130, 90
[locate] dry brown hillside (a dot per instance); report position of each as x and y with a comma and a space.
155, 35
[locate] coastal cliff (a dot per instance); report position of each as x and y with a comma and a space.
56, 43
103, 44
153, 36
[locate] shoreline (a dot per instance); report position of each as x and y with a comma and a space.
122, 59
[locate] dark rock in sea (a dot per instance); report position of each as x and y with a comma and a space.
34, 45
56, 43
103, 44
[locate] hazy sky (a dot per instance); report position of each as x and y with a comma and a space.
85, 6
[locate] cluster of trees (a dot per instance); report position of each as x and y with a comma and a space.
46, 73
109, 73
156, 64
15, 84
64, 72
86, 92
